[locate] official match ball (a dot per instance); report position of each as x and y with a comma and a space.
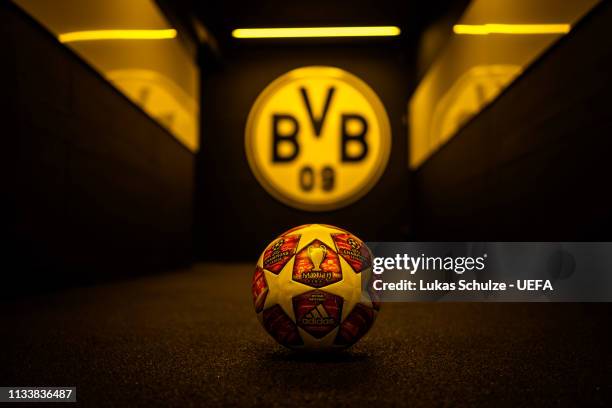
309, 288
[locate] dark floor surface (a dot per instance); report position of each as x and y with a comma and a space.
191, 338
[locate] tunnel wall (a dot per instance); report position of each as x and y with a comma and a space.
95, 187
534, 165
235, 216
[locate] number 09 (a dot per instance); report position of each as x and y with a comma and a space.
307, 178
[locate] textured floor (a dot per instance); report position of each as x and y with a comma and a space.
191, 338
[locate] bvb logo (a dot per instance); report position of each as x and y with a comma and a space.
318, 138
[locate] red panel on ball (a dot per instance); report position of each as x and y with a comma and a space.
281, 327
353, 250
259, 287
374, 296
317, 265
356, 324
317, 312
278, 254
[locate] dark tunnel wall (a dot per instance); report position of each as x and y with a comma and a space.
95, 187
535, 165
235, 216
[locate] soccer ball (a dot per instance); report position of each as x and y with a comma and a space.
308, 288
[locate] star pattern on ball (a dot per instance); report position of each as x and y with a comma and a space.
323, 343
310, 234
312, 302
282, 289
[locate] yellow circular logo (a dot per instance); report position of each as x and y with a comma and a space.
318, 138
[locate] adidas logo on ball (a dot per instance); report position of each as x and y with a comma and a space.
319, 316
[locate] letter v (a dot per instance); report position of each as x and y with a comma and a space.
317, 123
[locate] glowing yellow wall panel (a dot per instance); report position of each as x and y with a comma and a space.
132, 45
492, 44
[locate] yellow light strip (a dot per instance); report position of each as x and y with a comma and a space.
485, 29
95, 35
307, 32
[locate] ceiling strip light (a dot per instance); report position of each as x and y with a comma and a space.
311, 32
485, 29
95, 35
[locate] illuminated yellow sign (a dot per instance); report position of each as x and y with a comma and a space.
318, 138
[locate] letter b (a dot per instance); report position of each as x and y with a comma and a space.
357, 137
289, 137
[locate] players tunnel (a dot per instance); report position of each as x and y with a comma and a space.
154, 152
145, 135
